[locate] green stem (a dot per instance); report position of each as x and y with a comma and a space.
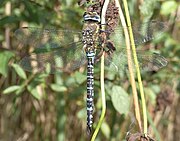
137, 66
131, 73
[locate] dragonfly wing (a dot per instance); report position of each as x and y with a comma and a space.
56, 49
151, 61
63, 59
142, 33
148, 61
47, 38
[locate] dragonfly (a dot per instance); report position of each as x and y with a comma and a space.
68, 50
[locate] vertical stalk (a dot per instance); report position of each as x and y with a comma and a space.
7, 30
137, 66
132, 80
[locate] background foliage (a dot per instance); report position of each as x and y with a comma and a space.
52, 107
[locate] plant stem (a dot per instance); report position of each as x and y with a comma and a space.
132, 80
137, 66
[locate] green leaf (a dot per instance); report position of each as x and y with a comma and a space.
70, 81
5, 56
40, 78
80, 78
106, 130
168, 7
120, 99
11, 89
19, 71
33, 90
58, 88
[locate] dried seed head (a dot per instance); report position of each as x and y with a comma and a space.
112, 16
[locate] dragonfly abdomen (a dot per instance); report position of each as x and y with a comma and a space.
90, 89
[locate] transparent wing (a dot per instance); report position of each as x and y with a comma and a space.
54, 61
53, 50
47, 38
142, 33
148, 61
145, 32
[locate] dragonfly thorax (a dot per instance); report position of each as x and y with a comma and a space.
90, 31
90, 34
87, 37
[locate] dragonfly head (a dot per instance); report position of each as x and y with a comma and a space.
91, 16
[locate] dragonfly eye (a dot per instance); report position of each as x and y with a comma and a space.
90, 17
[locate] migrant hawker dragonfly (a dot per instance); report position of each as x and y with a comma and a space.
68, 50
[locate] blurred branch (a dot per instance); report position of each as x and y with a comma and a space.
7, 30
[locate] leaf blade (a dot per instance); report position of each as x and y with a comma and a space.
120, 99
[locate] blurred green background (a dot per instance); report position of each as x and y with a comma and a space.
42, 107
